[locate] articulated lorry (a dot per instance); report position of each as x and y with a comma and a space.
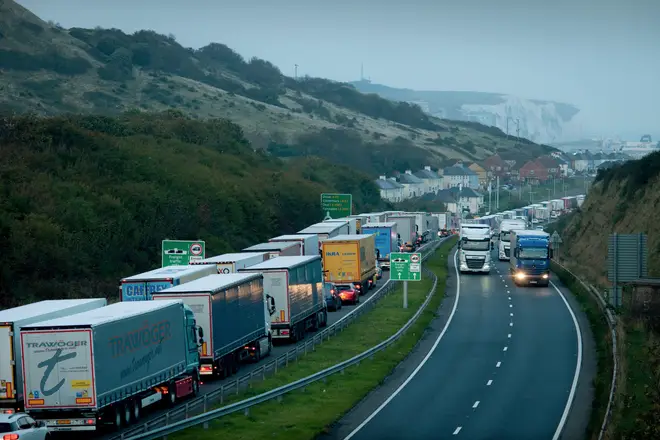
142, 286
231, 311
387, 240
361, 220
474, 246
351, 222
504, 244
406, 231
294, 288
278, 249
309, 242
105, 366
350, 259
325, 231
230, 263
11, 322
530, 257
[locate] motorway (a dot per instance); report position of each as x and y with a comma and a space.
502, 362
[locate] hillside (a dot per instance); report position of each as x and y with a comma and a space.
50, 70
540, 121
86, 200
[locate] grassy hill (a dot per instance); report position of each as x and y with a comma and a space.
86, 200
51, 70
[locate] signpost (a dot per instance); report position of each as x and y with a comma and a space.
405, 267
182, 252
336, 205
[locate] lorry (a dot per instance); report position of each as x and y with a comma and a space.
325, 231
351, 222
277, 249
530, 257
231, 311
294, 286
11, 322
361, 219
504, 244
142, 286
376, 217
309, 242
405, 228
387, 240
103, 367
350, 259
230, 263
474, 246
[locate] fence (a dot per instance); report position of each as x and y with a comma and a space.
590, 293
163, 425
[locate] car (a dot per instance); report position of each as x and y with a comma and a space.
332, 299
349, 293
20, 426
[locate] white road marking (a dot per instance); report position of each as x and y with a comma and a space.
509, 335
421, 364
578, 366
490, 381
505, 348
511, 314
458, 430
510, 305
511, 324
476, 404
498, 365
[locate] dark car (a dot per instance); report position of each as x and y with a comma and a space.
332, 299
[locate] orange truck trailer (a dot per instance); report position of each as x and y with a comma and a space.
350, 259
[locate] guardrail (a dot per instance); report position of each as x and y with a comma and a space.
202, 403
612, 323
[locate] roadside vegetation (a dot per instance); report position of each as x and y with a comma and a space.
87, 200
307, 413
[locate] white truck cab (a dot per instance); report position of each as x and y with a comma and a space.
505, 236
474, 248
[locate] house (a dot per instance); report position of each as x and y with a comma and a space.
533, 172
496, 167
456, 175
413, 185
482, 174
468, 199
551, 165
390, 189
580, 162
446, 197
432, 181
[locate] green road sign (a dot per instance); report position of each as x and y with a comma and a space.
405, 267
336, 205
182, 252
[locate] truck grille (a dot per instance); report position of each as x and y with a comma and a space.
534, 270
474, 264
507, 251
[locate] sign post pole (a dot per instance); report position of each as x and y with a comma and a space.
405, 267
405, 294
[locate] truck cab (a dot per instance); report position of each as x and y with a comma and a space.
474, 248
530, 257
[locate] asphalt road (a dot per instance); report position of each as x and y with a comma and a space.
499, 363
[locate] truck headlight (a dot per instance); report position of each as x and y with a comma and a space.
520, 275
545, 276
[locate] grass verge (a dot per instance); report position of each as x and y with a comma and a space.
305, 414
603, 339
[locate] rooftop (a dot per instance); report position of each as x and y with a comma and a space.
211, 283
44, 308
281, 263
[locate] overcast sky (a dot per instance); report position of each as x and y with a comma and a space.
600, 55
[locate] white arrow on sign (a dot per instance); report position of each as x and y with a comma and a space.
399, 275
414, 275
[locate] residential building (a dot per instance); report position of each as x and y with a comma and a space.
482, 174
446, 197
533, 173
390, 189
414, 186
456, 175
580, 162
496, 167
432, 181
456, 199
551, 165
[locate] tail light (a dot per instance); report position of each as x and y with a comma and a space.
10, 437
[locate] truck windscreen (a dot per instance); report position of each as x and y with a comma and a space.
476, 245
505, 236
533, 253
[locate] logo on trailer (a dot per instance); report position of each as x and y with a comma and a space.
196, 249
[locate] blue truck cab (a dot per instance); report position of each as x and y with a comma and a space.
530, 257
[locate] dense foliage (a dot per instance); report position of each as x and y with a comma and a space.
87, 200
635, 173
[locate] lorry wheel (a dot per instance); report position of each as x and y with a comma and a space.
127, 413
171, 394
136, 410
118, 414
324, 321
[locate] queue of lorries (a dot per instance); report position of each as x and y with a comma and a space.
84, 364
519, 238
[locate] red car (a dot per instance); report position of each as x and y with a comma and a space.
348, 293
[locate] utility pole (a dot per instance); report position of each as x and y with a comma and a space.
497, 200
490, 196
549, 195
554, 186
296, 71
531, 194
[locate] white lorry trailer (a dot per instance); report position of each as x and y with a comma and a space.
11, 322
295, 285
140, 287
230, 263
105, 366
231, 311
474, 246
310, 242
504, 245
351, 222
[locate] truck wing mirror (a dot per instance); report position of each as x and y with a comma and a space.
200, 332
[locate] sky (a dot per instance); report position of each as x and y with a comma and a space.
602, 56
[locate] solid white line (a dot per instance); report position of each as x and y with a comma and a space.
476, 404
505, 348
458, 430
498, 365
578, 366
490, 381
421, 364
